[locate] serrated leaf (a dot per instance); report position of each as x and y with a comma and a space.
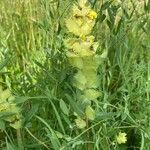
91, 63
106, 5
91, 94
91, 78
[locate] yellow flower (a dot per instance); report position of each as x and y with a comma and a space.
121, 138
90, 113
82, 19
92, 15
81, 47
79, 26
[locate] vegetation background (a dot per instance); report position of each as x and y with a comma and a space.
34, 67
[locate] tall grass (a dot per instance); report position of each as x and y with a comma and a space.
33, 65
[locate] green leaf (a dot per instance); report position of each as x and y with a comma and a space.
59, 135
91, 94
91, 63
51, 134
102, 17
2, 125
119, 25
90, 113
106, 5
92, 79
21, 99
79, 80
4, 63
74, 105
80, 77
63, 107
31, 113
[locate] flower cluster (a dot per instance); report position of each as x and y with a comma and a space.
8, 108
81, 23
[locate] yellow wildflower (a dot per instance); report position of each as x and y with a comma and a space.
121, 138
79, 26
82, 19
80, 48
92, 15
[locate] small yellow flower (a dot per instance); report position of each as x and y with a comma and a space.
92, 15
83, 37
121, 138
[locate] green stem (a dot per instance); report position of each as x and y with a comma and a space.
19, 139
88, 136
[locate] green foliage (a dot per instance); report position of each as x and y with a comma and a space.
34, 67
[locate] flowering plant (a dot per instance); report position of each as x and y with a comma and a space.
82, 55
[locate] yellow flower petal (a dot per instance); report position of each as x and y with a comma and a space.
92, 15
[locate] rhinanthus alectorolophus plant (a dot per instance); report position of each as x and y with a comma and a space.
9, 110
82, 55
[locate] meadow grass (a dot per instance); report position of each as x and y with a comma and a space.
34, 67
